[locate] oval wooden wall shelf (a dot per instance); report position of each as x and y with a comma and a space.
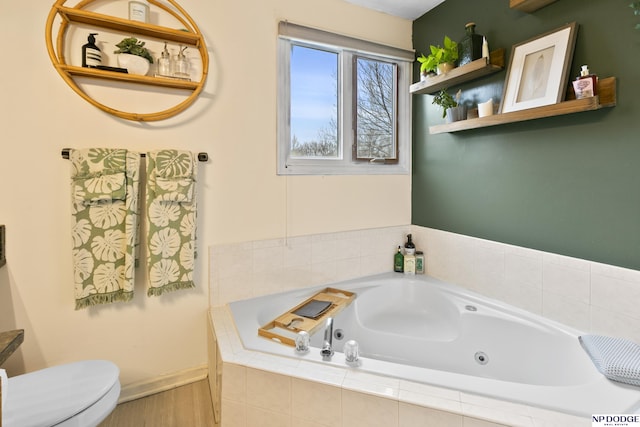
190, 36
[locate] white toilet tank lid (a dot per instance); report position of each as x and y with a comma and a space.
52, 395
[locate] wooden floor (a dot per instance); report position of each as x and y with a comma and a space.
186, 406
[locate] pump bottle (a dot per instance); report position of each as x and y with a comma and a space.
91, 55
586, 84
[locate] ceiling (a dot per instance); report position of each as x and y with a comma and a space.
408, 9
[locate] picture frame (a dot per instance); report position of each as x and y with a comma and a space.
538, 70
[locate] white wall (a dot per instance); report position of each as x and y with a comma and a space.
241, 198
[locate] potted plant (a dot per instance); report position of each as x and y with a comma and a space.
441, 59
133, 56
451, 108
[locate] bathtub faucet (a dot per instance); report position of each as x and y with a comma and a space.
327, 348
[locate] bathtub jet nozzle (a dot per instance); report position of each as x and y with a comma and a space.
327, 346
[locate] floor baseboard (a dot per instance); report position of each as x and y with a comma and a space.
166, 382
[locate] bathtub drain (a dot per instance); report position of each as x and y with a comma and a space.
471, 307
481, 357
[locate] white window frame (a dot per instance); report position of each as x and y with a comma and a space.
348, 48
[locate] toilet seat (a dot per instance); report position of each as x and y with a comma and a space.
76, 394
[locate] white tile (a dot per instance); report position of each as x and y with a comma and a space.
364, 410
565, 310
233, 263
567, 277
524, 297
489, 270
297, 252
235, 288
305, 421
546, 418
233, 414
372, 384
523, 267
376, 264
269, 243
417, 416
267, 390
234, 383
318, 402
441, 403
321, 373
496, 416
615, 272
267, 259
429, 390
260, 417
347, 268
323, 251
474, 422
615, 294
450, 258
613, 323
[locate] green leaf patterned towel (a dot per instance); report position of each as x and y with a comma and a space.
104, 188
171, 220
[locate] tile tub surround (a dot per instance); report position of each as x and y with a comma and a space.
251, 269
260, 389
589, 296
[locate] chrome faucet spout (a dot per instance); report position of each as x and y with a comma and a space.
327, 346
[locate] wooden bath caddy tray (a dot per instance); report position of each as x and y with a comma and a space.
308, 316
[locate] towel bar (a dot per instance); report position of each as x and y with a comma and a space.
202, 157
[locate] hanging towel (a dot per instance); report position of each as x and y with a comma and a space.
616, 358
171, 220
104, 188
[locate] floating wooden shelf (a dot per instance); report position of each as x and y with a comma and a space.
465, 73
127, 26
131, 78
284, 327
529, 6
189, 35
606, 98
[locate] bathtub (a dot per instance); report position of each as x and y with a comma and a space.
423, 330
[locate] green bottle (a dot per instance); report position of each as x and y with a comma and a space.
398, 261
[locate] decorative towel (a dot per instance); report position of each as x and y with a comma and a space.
171, 220
616, 358
104, 188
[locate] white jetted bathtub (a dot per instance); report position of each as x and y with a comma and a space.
423, 330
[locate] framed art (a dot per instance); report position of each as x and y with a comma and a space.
538, 70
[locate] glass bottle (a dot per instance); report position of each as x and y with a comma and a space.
164, 63
409, 247
398, 261
181, 65
470, 47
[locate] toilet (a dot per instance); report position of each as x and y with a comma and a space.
79, 394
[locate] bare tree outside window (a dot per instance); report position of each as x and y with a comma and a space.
375, 110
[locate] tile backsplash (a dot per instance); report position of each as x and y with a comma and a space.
589, 296
250, 269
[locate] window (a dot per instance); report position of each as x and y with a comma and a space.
343, 105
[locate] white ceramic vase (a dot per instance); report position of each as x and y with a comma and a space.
133, 63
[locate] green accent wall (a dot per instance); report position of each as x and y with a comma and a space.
569, 184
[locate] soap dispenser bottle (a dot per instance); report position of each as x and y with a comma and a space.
181, 65
586, 84
91, 55
409, 247
164, 63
